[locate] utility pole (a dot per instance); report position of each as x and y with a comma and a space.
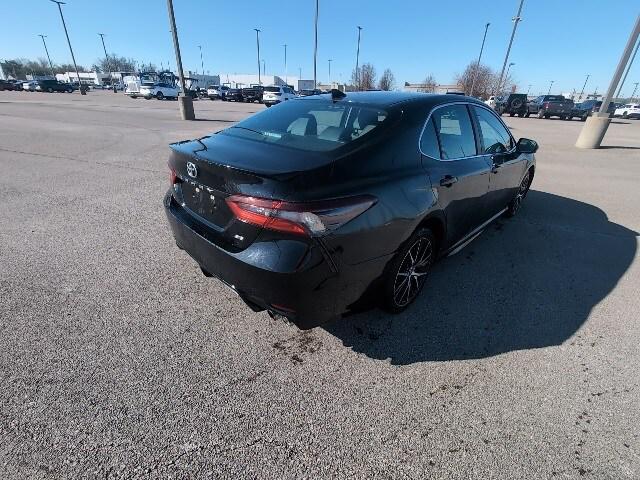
330, 60
633, 57
475, 74
633, 95
516, 20
185, 101
528, 90
285, 64
585, 84
201, 61
315, 48
59, 3
506, 77
597, 124
264, 68
258, 44
47, 51
358, 60
550, 85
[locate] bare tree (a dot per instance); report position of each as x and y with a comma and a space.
365, 77
486, 81
387, 80
115, 64
429, 85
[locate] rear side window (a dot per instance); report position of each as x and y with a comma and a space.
494, 136
271, 89
455, 133
429, 141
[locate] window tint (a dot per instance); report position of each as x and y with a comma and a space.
455, 132
493, 134
429, 141
271, 89
310, 125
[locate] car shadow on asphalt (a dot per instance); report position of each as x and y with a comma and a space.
621, 147
527, 282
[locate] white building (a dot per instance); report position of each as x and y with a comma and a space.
241, 80
86, 78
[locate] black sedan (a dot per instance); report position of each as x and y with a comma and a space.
311, 209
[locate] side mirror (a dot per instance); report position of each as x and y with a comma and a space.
525, 145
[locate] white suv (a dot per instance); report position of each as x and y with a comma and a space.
630, 110
158, 91
217, 91
273, 95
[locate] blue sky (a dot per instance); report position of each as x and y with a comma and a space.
412, 37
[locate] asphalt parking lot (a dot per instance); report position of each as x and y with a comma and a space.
119, 359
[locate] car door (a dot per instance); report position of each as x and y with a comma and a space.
458, 174
499, 148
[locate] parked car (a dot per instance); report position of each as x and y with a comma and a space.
6, 85
512, 103
17, 84
29, 86
234, 95
217, 92
158, 90
546, 106
277, 209
308, 93
275, 94
253, 93
584, 109
491, 101
630, 110
51, 86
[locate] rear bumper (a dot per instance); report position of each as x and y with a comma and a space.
290, 277
270, 102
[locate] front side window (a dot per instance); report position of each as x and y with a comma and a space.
311, 125
455, 133
494, 136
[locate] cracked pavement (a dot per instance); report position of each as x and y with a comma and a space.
119, 359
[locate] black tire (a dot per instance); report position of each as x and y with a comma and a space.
159, 96
50, 90
268, 105
407, 272
541, 114
70, 90
625, 115
521, 194
527, 115
512, 114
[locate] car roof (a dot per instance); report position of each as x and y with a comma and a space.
388, 99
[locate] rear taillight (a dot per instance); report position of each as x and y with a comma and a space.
312, 218
173, 176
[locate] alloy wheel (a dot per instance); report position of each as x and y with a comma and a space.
522, 192
412, 272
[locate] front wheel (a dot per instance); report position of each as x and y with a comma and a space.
407, 272
523, 189
159, 96
540, 114
527, 115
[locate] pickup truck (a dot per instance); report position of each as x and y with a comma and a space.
253, 93
546, 106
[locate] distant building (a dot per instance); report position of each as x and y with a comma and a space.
438, 88
575, 96
241, 80
86, 78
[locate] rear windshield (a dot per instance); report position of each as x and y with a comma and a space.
317, 126
271, 89
554, 98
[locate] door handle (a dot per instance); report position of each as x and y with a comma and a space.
448, 180
494, 166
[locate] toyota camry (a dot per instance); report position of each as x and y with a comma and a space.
311, 209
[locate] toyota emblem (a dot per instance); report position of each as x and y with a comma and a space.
192, 170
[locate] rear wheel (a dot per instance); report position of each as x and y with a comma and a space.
515, 204
159, 96
407, 272
50, 90
540, 113
527, 115
512, 114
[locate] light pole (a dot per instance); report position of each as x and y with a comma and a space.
528, 90
285, 64
258, 44
47, 51
201, 61
358, 60
107, 60
550, 85
315, 48
185, 101
475, 74
264, 68
75, 65
330, 60
506, 77
585, 84
633, 57
516, 20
